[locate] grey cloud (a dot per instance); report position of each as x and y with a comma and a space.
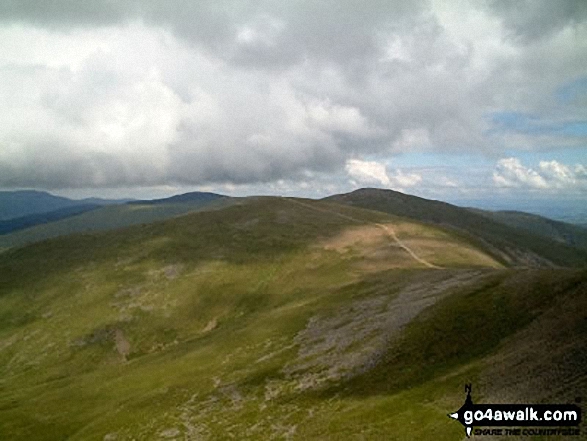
247, 92
66, 13
339, 31
69, 170
529, 20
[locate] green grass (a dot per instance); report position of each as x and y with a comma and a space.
212, 303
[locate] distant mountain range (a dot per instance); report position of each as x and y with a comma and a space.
196, 196
18, 204
20, 210
20, 223
569, 210
512, 237
109, 215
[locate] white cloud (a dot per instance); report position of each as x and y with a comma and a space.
368, 172
341, 119
375, 173
551, 175
447, 182
406, 179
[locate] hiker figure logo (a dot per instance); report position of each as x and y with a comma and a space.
562, 416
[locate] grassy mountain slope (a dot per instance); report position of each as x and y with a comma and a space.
562, 232
511, 246
270, 319
105, 218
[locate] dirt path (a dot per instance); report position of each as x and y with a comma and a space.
391, 233
388, 230
122, 344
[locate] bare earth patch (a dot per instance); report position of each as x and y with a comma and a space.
377, 246
121, 343
212, 324
170, 272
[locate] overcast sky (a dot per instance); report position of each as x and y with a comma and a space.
444, 99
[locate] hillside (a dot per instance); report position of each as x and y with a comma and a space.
276, 318
512, 246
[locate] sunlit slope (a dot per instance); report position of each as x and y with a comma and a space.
512, 246
106, 218
275, 318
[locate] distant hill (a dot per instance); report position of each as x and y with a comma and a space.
196, 196
510, 245
20, 223
110, 217
15, 204
102, 201
21, 203
573, 235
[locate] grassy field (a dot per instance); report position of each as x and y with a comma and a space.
275, 319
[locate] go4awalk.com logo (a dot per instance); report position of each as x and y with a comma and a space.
518, 419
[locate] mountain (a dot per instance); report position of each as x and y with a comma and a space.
15, 204
509, 245
22, 203
196, 196
102, 201
278, 318
20, 223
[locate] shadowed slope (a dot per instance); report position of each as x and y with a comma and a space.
569, 234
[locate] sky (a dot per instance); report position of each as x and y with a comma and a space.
452, 100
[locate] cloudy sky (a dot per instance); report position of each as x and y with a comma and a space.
444, 99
